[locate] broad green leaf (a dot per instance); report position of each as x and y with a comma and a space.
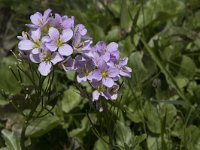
12, 140
134, 113
84, 127
152, 9
71, 75
125, 19
126, 47
192, 137
8, 82
101, 145
123, 134
152, 117
187, 67
113, 34
135, 61
168, 111
97, 33
136, 140
70, 100
42, 126
154, 143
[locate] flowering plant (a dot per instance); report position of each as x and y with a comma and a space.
57, 41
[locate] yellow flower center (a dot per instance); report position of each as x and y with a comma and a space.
104, 73
37, 44
59, 43
47, 57
100, 88
86, 72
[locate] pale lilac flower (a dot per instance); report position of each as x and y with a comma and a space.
24, 36
81, 43
121, 65
32, 44
105, 74
100, 90
46, 59
84, 68
112, 92
58, 41
68, 64
63, 22
38, 20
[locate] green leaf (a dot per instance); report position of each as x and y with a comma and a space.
154, 143
134, 113
125, 19
85, 125
12, 140
135, 61
101, 145
138, 139
126, 47
152, 117
113, 34
71, 75
152, 9
123, 134
192, 137
42, 126
187, 67
70, 100
8, 81
169, 112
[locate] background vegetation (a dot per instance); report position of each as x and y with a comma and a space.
158, 107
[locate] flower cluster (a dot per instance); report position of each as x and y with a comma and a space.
54, 40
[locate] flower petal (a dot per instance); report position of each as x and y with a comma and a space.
81, 78
125, 71
53, 33
66, 35
68, 22
113, 72
36, 18
26, 45
35, 35
46, 14
108, 82
95, 75
56, 57
95, 95
35, 51
44, 68
35, 58
81, 29
68, 64
51, 46
65, 50
112, 47
106, 57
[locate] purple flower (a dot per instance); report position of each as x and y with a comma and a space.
46, 59
104, 73
58, 41
84, 68
68, 64
106, 53
63, 22
81, 43
121, 65
23, 37
99, 90
38, 20
112, 92
33, 44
